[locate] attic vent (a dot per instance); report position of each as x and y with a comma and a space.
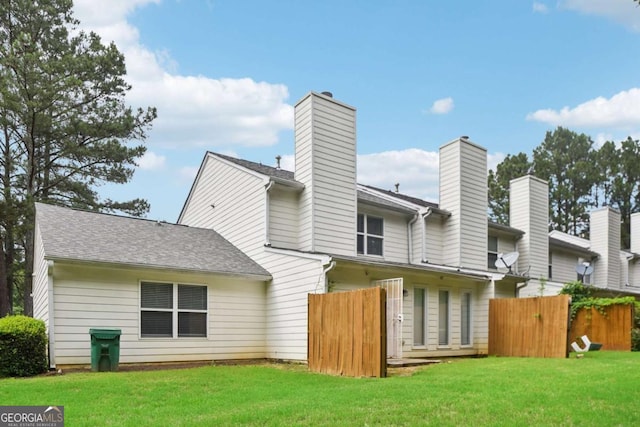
327, 93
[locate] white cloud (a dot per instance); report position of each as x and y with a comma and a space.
621, 111
601, 138
494, 159
151, 161
415, 170
442, 106
624, 12
192, 110
540, 7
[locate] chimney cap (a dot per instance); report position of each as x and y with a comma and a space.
464, 137
327, 93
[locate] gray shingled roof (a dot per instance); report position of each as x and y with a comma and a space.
372, 199
558, 243
75, 235
414, 200
259, 167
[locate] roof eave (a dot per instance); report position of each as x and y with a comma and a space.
136, 266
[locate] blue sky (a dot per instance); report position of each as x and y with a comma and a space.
225, 74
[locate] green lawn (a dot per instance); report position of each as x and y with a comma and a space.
603, 388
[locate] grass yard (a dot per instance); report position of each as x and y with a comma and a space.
603, 388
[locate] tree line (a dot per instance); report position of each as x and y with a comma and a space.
65, 129
581, 177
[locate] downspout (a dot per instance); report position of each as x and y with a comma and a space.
518, 287
267, 232
329, 266
423, 224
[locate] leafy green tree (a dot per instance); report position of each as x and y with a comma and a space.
498, 183
620, 180
566, 161
65, 126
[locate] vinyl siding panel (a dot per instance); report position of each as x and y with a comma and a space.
294, 277
435, 241
605, 240
239, 200
283, 219
326, 164
304, 172
635, 233
529, 212
40, 280
463, 192
450, 197
87, 297
563, 265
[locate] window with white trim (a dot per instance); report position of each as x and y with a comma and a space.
170, 310
465, 318
370, 235
419, 317
443, 317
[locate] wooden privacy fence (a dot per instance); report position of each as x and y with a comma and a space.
613, 330
347, 333
529, 327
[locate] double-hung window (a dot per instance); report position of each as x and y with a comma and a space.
172, 310
370, 235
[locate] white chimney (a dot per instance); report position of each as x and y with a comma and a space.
529, 212
325, 150
604, 227
463, 192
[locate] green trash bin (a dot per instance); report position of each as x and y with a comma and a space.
105, 349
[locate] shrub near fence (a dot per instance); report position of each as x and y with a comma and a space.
347, 333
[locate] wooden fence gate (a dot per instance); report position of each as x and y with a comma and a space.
529, 327
347, 333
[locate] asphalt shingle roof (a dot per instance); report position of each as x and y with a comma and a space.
259, 167
76, 235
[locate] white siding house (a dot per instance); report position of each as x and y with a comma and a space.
253, 241
105, 271
323, 232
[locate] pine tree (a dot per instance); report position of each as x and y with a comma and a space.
66, 128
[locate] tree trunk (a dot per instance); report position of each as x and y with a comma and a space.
28, 271
6, 296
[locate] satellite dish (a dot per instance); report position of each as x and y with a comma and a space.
506, 260
584, 269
